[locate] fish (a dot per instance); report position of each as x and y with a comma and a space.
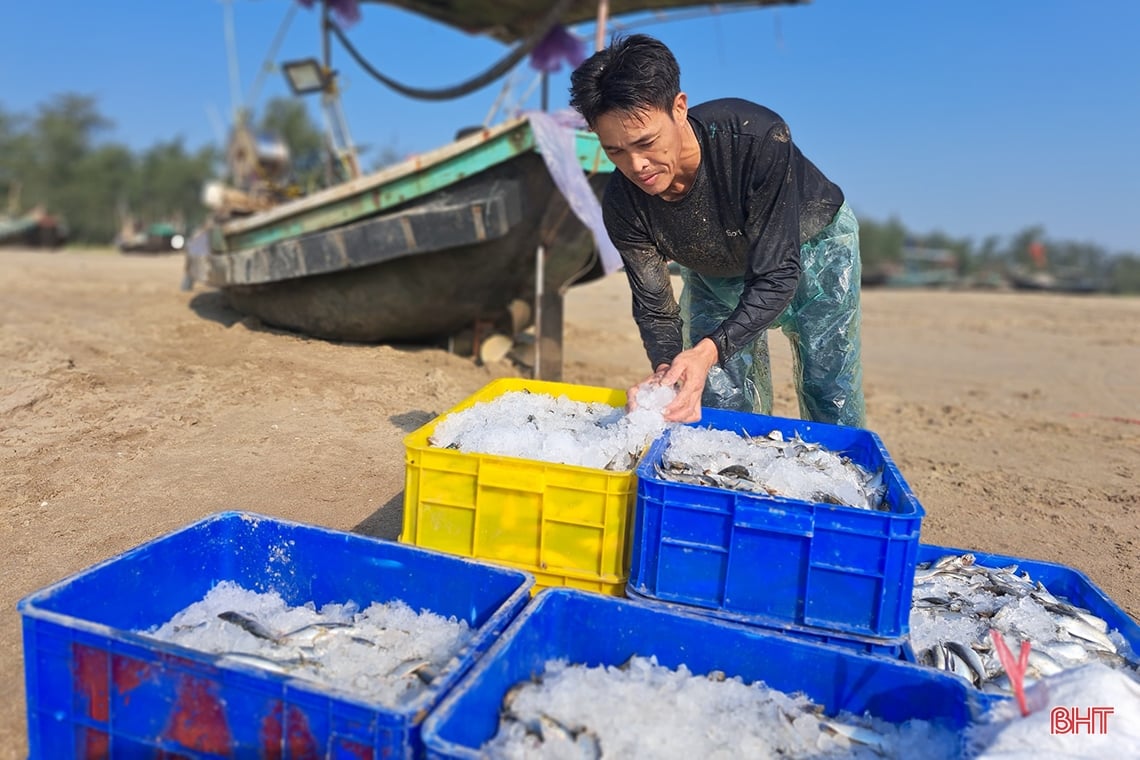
422, 669
938, 656
958, 666
189, 626
970, 658
857, 735
279, 667
932, 601
307, 635
1065, 650
622, 461
551, 731
1082, 630
735, 471
1052, 604
248, 624
1043, 663
686, 475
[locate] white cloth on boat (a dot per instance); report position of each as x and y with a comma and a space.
557, 145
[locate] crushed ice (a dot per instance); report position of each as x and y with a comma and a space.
384, 654
550, 428
1056, 702
643, 709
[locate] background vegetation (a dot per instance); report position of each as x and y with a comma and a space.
58, 157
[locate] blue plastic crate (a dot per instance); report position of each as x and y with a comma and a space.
779, 561
96, 689
590, 629
1062, 581
894, 649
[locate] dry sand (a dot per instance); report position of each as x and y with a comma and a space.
129, 408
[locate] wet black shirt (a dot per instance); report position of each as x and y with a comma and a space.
754, 201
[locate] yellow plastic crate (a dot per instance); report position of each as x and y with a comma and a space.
568, 525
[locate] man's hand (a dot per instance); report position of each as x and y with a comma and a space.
688, 373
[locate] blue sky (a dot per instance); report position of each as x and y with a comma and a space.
973, 117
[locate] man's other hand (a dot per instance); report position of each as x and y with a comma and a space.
688, 373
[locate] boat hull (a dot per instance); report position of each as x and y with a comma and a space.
416, 290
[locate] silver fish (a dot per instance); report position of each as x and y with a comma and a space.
308, 635
422, 669
248, 624
279, 667
550, 729
736, 471
1082, 630
857, 735
958, 666
970, 657
1043, 663
1064, 650
623, 460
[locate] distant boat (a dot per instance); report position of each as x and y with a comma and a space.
160, 237
917, 268
1046, 280
36, 229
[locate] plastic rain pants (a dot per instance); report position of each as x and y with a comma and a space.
821, 321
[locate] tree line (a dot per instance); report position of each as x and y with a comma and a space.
886, 247
57, 158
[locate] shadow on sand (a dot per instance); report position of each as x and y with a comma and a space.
413, 420
386, 522
212, 306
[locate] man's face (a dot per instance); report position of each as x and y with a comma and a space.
646, 146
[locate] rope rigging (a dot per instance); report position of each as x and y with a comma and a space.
471, 85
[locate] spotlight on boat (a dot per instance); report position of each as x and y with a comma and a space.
305, 76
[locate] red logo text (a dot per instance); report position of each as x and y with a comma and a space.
1074, 720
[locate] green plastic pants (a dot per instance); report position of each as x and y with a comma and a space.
821, 321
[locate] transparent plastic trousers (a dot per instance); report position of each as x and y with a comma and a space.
821, 322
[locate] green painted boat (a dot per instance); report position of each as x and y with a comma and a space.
416, 252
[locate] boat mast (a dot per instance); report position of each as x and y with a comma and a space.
600, 26
335, 124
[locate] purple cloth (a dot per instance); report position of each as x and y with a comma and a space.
556, 143
557, 46
346, 11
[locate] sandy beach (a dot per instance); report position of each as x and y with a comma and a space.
129, 408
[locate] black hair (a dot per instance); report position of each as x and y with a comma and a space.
633, 74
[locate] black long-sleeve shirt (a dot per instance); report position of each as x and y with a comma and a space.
754, 201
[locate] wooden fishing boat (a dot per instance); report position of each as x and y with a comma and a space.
417, 251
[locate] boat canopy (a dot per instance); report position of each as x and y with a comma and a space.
513, 20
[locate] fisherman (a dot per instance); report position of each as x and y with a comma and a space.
762, 238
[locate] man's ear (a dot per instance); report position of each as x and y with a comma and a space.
680, 107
